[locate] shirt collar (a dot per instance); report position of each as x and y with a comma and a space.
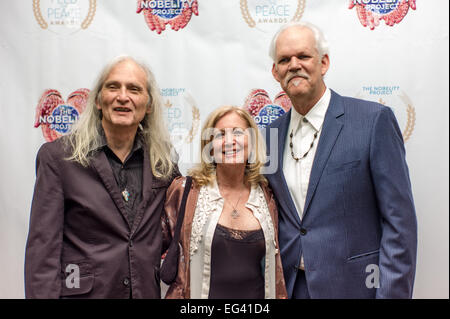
253, 199
138, 140
213, 190
315, 116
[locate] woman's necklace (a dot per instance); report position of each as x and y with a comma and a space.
235, 213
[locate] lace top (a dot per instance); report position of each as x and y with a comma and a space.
244, 236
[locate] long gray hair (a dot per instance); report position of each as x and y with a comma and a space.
86, 133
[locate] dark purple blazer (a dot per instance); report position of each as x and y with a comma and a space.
78, 223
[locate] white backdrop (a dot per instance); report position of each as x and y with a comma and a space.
217, 59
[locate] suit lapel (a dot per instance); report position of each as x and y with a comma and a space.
147, 183
104, 170
332, 127
278, 180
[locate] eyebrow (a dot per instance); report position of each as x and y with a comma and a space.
131, 84
230, 128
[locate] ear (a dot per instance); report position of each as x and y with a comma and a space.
275, 73
325, 64
97, 101
149, 106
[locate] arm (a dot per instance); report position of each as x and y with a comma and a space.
43, 249
390, 175
171, 205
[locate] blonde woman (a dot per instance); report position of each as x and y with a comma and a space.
229, 245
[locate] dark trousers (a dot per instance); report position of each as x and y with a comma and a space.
300, 286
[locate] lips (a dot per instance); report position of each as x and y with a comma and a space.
121, 109
231, 152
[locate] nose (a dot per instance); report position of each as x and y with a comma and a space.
294, 64
122, 95
229, 138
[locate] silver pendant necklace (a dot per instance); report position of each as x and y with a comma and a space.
234, 212
126, 195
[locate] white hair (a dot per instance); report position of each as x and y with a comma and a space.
321, 42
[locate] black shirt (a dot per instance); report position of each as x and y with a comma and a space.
128, 175
236, 259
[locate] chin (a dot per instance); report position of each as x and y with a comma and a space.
123, 122
234, 161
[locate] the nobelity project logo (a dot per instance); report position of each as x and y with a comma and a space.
56, 117
263, 110
159, 13
392, 96
371, 12
267, 14
64, 16
183, 119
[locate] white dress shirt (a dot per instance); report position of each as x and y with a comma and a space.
296, 173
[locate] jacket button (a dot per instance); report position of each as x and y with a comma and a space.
303, 231
126, 282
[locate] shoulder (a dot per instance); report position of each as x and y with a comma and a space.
279, 121
177, 183
51, 158
52, 151
266, 189
357, 105
372, 112
357, 110
268, 194
177, 186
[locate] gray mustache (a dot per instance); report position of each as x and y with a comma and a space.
295, 74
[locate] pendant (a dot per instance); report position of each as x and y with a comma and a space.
125, 195
234, 214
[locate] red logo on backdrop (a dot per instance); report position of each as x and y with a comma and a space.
371, 12
56, 117
159, 13
263, 110
258, 98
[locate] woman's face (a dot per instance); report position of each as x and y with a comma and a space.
231, 140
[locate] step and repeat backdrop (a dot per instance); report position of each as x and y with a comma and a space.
208, 53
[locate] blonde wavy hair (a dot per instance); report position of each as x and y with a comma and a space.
85, 137
204, 172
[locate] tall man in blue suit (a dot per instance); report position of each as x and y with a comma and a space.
347, 219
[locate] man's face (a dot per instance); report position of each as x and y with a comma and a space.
123, 98
298, 66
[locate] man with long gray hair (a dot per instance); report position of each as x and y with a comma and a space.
95, 225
